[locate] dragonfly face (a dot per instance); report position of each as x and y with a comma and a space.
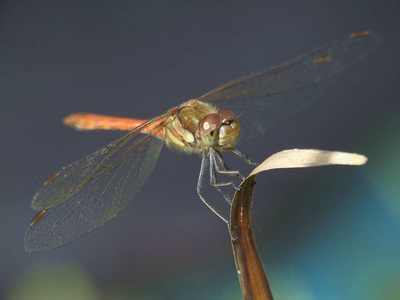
195, 126
220, 130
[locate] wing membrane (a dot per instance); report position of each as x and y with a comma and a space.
274, 94
88, 193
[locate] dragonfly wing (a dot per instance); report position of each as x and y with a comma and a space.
88, 193
264, 98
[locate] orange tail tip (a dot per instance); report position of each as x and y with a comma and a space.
85, 121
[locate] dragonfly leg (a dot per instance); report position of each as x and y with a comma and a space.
220, 167
199, 186
244, 157
214, 182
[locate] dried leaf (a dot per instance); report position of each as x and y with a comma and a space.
304, 158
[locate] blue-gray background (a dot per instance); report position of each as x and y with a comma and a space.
323, 233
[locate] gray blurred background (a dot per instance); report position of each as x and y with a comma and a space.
323, 233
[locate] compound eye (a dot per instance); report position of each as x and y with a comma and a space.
210, 123
227, 115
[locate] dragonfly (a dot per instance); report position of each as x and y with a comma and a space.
88, 193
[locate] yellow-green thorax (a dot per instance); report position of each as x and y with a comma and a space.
195, 126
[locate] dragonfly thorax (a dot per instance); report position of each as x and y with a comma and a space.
196, 126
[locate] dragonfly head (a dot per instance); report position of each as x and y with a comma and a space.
221, 129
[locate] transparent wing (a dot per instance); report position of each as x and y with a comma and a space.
274, 94
88, 193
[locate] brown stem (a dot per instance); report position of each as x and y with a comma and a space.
252, 278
